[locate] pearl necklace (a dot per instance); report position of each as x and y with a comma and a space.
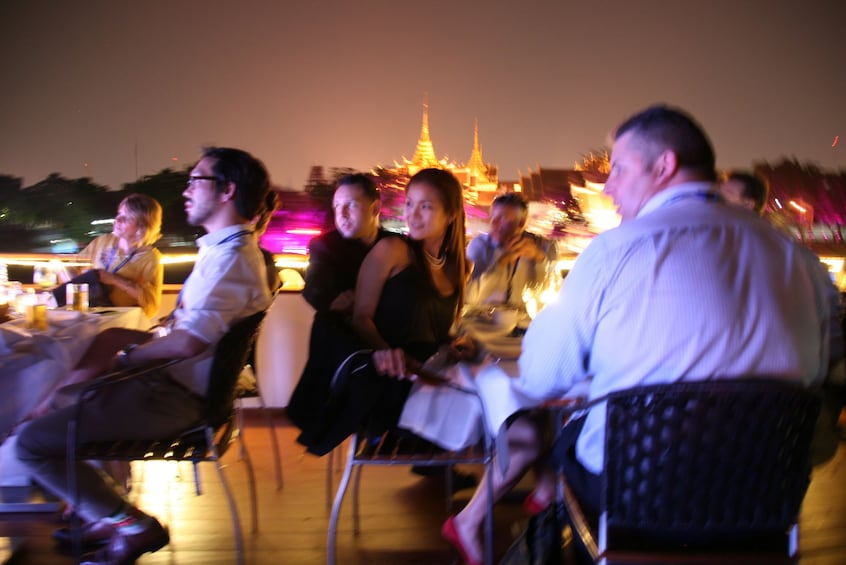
436, 263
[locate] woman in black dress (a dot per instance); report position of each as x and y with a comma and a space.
409, 293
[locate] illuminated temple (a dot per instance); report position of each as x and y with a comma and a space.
478, 178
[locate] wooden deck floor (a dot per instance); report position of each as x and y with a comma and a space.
401, 514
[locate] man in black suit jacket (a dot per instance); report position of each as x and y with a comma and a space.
334, 260
335, 257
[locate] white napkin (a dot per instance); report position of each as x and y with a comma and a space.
447, 417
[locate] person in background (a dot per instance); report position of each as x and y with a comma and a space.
686, 288
750, 191
408, 295
745, 190
507, 258
127, 264
260, 222
334, 261
225, 191
125, 260
335, 257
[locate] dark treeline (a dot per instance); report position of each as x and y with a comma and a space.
57, 212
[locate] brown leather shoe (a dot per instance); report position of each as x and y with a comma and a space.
125, 549
94, 534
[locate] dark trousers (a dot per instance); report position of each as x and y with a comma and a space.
585, 485
326, 412
135, 409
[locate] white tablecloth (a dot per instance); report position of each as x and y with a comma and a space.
455, 419
31, 362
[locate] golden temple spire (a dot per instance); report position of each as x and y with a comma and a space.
476, 165
424, 154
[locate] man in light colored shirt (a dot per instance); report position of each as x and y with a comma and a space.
225, 190
686, 288
507, 258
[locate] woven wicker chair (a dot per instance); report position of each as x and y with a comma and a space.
697, 470
206, 441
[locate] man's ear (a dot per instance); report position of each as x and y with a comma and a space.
665, 166
377, 208
228, 192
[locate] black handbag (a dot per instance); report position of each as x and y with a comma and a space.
98, 293
542, 542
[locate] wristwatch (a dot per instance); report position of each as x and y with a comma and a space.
122, 357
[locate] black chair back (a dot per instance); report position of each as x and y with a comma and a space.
698, 462
229, 359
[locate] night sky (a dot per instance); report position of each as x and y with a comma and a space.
341, 83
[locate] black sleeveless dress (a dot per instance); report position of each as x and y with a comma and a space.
410, 315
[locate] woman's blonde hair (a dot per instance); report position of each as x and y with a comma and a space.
148, 213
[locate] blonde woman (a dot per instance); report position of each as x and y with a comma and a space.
125, 260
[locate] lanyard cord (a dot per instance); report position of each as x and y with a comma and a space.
227, 239
120, 265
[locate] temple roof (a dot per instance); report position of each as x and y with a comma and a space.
476, 165
424, 154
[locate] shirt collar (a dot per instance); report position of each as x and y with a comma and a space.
217, 236
677, 192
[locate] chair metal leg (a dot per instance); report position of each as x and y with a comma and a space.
339, 500
448, 487
274, 443
329, 471
356, 485
248, 463
197, 486
230, 500
793, 541
334, 461
73, 484
239, 413
489, 512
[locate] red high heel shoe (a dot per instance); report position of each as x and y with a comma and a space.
450, 533
534, 506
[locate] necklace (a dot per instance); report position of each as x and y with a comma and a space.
436, 263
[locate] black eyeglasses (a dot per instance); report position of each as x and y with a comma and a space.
199, 177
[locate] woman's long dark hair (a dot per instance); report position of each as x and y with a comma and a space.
453, 246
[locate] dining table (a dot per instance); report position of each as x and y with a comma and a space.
32, 363
468, 400
460, 403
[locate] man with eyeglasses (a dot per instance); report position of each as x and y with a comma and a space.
226, 189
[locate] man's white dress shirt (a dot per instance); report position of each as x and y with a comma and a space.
691, 289
227, 284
